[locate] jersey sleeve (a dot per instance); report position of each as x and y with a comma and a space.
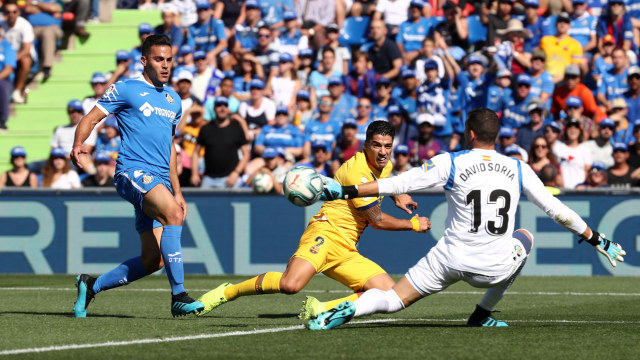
178, 117
434, 172
356, 176
535, 191
114, 99
221, 33
260, 138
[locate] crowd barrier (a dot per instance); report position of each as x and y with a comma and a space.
69, 232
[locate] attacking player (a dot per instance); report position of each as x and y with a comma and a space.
328, 245
147, 112
479, 245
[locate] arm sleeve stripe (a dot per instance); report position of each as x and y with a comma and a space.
519, 175
368, 206
452, 174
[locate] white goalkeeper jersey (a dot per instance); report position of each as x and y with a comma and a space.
482, 188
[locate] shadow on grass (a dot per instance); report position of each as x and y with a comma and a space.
277, 316
403, 325
66, 314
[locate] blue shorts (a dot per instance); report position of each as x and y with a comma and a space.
132, 185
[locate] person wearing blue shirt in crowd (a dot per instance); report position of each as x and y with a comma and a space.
169, 27
613, 82
383, 99
246, 34
473, 85
144, 30
343, 104
280, 135
226, 91
583, 27
412, 32
321, 158
433, 98
147, 112
542, 85
8, 63
632, 96
500, 93
363, 118
322, 127
186, 60
406, 96
616, 23
535, 127
209, 33
268, 58
319, 80
44, 16
123, 68
292, 40
516, 113
109, 142
273, 12
533, 23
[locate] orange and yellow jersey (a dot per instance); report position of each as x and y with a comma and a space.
560, 53
346, 216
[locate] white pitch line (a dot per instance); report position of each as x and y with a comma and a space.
446, 292
270, 330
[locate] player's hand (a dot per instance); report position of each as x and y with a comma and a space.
75, 155
420, 224
183, 204
613, 251
405, 202
331, 189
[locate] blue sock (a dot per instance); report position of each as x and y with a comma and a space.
129, 271
172, 256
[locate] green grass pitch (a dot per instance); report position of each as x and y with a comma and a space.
550, 318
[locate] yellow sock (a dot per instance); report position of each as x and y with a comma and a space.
267, 283
333, 303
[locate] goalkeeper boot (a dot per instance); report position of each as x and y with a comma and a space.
213, 299
334, 317
482, 318
84, 283
182, 304
311, 307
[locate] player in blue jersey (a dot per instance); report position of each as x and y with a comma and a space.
147, 112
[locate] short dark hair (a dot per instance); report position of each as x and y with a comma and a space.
154, 40
327, 49
485, 124
380, 127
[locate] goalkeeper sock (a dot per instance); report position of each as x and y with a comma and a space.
129, 271
172, 256
333, 303
493, 295
267, 283
378, 301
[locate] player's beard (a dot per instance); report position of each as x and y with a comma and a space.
153, 76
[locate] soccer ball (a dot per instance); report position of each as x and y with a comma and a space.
262, 183
302, 186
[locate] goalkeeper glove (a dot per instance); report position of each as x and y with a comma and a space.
613, 251
334, 191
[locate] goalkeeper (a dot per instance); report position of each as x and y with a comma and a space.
328, 245
479, 245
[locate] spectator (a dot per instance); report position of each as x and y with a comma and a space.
623, 132
170, 27
603, 59
209, 35
303, 110
574, 110
347, 144
552, 133
250, 68
222, 140
404, 130
305, 67
188, 13
45, 17
360, 82
99, 86
434, 97
473, 84
548, 176
259, 110
507, 138
110, 142
189, 139
273, 12
7, 66
19, 33
513, 151
540, 156
292, 40
393, 12
575, 157
135, 66
102, 177
231, 13
412, 32
122, 71
614, 81
279, 135
285, 85
542, 85
454, 31
19, 175
319, 79
226, 90
513, 52
363, 8
343, 104
425, 146
57, 172
185, 59
617, 23
276, 166
206, 79
596, 177
536, 25
500, 93
322, 127
406, 96
184, 81
583, 27
246, 33
619, 174
428, 53
267, 57
515, 114
499, 20
363, 119
600, 148
631, 96
534, 127
401, 160
63, 135
561, 49
382, 99
321, 159
573, 87
384, 55
342, 54
634, 150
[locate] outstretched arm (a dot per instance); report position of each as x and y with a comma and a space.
383, 221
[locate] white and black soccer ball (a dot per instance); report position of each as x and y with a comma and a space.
302, 186
262, 183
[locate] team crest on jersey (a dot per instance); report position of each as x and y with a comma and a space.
314, 248
518, 250
147, 179
428, 165
169, 98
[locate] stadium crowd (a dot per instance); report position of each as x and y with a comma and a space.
268, 84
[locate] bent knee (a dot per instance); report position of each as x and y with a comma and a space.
525, 237
290, 286
152, 265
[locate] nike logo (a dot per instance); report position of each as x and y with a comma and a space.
137, 173
176, 254
144, 94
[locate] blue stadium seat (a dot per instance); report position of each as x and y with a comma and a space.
355, 31
477, 30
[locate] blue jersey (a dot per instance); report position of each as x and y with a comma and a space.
621, 31
601, 67
320, 82
583, 27
247, 35
108, 145
537, 31
316, 130
406, 102
633, 8
146, 117
136, 67
516, 113
613, 85
175, 34
276, 136
273, 10
598, 7
207, 35
473, 93
433, 98
498, 98
362, 131
7, 57
344, 108
289, 43
633, 106
542, 83
411, 34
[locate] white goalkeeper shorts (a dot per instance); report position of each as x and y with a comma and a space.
431, 275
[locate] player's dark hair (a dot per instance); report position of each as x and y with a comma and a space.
485, 124
380, 127
154, 40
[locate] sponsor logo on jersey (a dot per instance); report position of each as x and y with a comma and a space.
169, 98
147, 110
147, 179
